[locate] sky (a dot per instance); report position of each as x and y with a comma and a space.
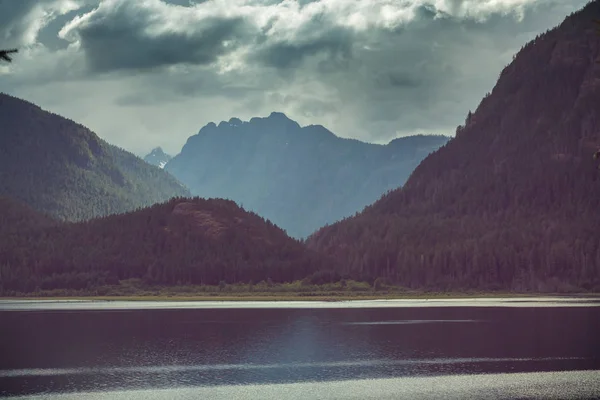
147, 73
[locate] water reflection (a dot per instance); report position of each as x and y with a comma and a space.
413, 321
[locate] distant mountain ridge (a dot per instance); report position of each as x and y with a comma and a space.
513, 201
157, 157
63, 169
301, 178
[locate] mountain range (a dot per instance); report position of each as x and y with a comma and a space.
61, 168
301, 178
513, 201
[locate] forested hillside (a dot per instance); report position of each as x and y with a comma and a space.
17, 218
182, 241
62, 168
513, 202
301, 178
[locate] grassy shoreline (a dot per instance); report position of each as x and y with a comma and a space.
304, 297
136, 289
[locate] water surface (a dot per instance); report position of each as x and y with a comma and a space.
374, 349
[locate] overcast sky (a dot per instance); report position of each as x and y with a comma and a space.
146, 73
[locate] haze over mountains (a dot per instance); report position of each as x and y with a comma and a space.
513, 201
301, 178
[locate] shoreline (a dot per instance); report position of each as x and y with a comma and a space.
343, 290
299, 297
106, 304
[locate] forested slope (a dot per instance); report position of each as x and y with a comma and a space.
62, 168
513, 201
182, 241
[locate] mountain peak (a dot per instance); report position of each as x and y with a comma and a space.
157, 151
281, 120
278, 115
300, 178
276, 119
157, 157
235, 121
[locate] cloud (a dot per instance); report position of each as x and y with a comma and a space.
21, 21
148, 34
123, 34
337, 43
368, 69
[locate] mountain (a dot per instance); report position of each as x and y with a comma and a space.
513, 201
157, 157
63, 169
182, 241
301, 178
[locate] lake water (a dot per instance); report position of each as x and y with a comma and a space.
462, 349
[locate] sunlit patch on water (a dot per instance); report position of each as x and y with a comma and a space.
538, 385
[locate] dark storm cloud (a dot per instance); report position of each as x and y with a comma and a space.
402, 80
128, 36
319, 34
117, 48
335, 44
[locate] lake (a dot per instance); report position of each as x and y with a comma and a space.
470, 348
